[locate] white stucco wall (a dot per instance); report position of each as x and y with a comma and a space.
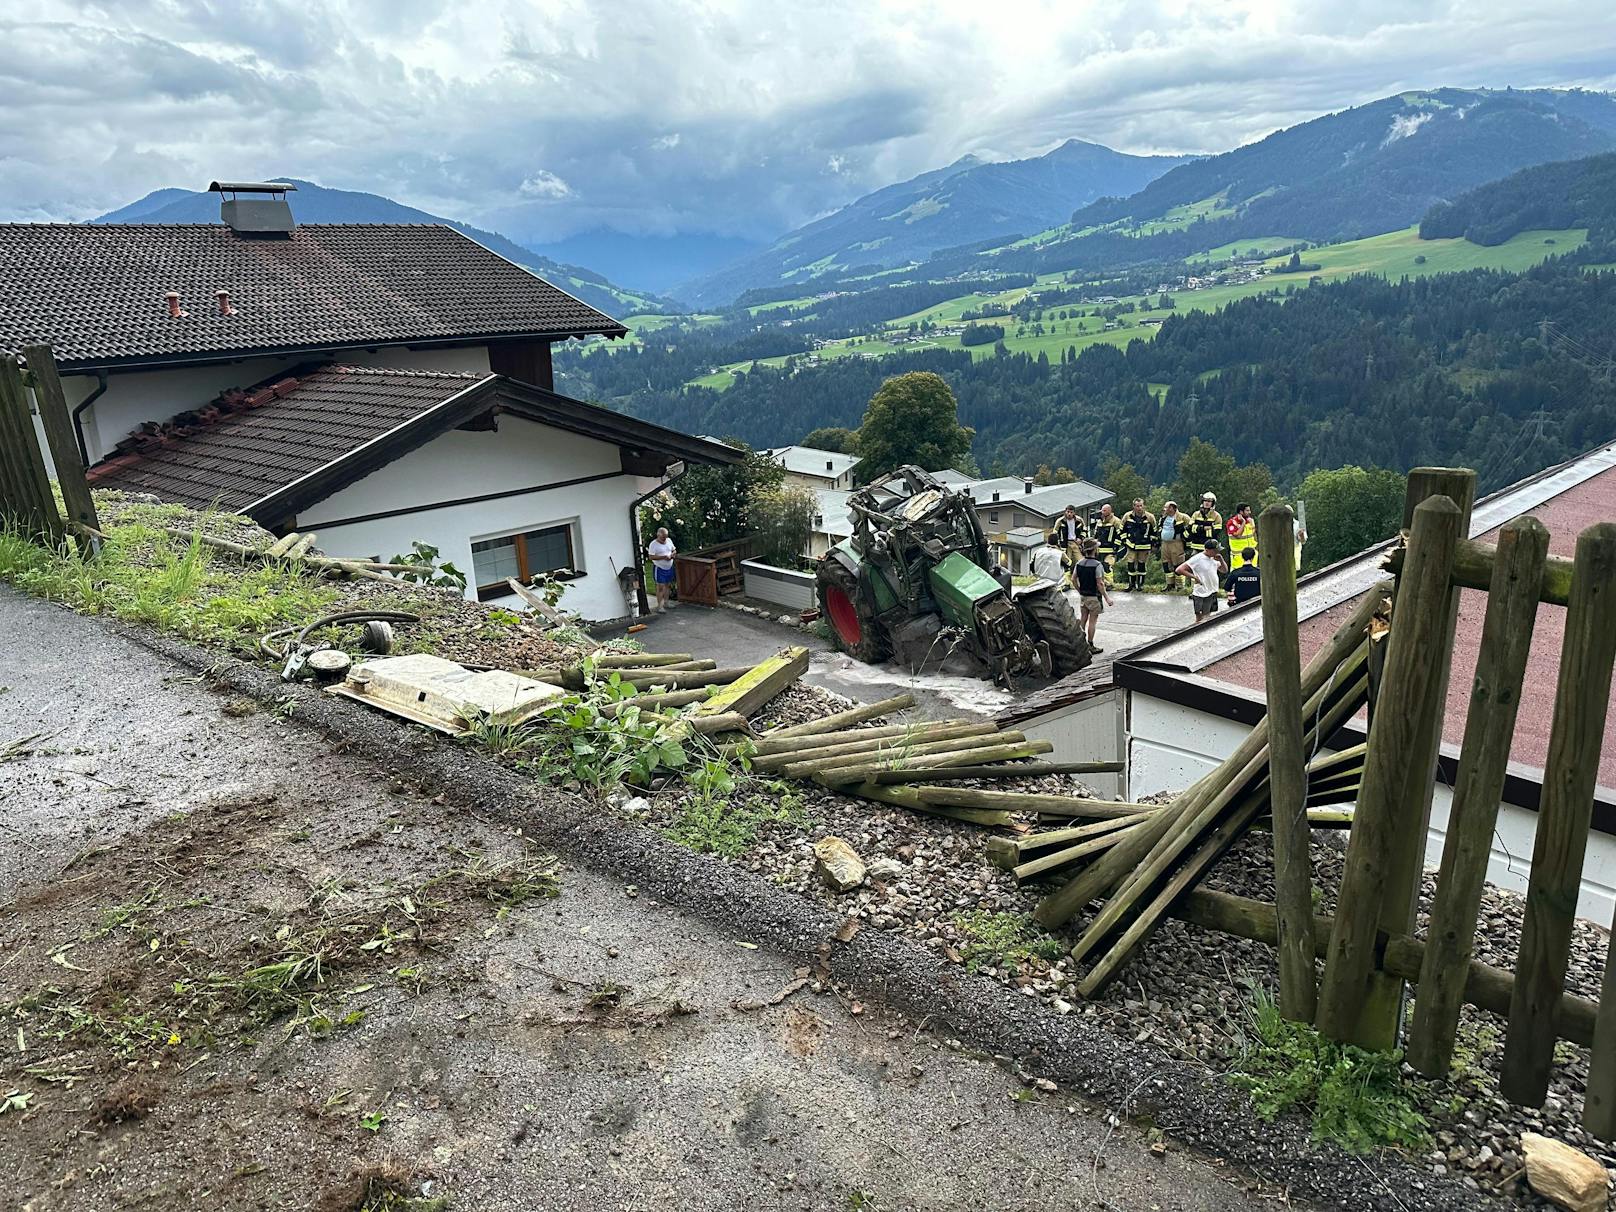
459, 464
1090, 731
1170, 746
134, 397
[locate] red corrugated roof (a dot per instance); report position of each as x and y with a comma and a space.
1566, 516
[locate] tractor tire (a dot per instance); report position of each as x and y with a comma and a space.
1049, 616
853, 629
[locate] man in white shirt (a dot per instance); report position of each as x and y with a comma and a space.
1046, 561
1206, 574
661, 550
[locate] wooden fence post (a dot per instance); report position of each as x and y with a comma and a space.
35, 508
1394, 781
1506, 639
1582, 699
1287, 764
1383, 1008
58, 426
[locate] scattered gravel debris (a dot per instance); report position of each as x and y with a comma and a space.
1188, 991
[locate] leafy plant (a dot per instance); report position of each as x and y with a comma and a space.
601, 739
421, 564
1356, 1098
1007, 939
724, 816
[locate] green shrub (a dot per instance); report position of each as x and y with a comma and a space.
1355, 1098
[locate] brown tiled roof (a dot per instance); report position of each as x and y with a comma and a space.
274, 449
248, 445
96, 292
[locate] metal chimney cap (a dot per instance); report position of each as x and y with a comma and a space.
251, 187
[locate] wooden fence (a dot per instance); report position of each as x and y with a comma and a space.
27, 499
1392, 655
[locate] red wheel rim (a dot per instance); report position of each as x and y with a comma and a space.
843, 614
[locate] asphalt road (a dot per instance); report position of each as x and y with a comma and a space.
503, 1083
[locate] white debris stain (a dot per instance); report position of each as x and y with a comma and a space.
1405, 125
968, 694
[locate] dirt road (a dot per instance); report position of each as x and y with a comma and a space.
241, 970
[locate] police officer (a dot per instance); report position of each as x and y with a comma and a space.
1139, 538
1107, 538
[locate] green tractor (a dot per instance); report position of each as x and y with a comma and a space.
916, 582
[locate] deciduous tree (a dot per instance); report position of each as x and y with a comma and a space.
913, 418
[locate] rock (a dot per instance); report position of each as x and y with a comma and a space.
885, 868
838, 864
1564, 1175
636, 805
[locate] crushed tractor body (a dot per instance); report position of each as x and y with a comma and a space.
916, 583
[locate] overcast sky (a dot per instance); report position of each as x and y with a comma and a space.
741, 118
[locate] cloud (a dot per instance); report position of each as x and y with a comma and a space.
740, 117
545, 184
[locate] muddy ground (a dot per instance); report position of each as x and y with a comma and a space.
244, 969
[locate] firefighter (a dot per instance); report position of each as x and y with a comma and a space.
1139, 539
1205, 525
1242, 531
1069, 533
1107, 538
1170, 542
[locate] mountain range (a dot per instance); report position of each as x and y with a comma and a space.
969, 202
318, 204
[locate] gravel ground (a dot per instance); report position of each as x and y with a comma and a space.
1188, 990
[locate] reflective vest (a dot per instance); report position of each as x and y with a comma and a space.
1139, 530
1108, 536
1242, 537
1203, 526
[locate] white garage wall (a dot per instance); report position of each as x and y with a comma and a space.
520, 454
1090, 731
135, 397
1170, 746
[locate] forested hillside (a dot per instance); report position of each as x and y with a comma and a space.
1448, 369
1574, 193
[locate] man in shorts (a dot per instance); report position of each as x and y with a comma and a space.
1205, 572
1171, 530
1088, 578
661, 550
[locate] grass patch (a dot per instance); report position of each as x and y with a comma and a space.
1356, 1099
1006, 940
143, 575
726, 817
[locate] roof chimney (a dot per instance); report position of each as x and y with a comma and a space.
263, 212
172, 298
830, 465
223, 296
1026, 482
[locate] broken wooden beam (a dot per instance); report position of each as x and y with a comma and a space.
752, 689
771, 743
1027, 801
885, 755
905, 798
1013, 751
1473, 565
1007, 852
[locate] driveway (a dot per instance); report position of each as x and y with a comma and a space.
733, 638
594, 1050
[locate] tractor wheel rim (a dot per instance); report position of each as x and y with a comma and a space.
843, 614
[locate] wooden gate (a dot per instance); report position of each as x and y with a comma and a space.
696, 580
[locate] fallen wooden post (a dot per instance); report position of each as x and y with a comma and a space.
57, 423
650, 701
1022, 770
1007, 852
1394, 779
1576, 737
1044, 865
747, 693
616, 660
1495, 697
1027, 801
886, 755
905, 798
724, 721
823, 742
845, 719
964, 756
895, 740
